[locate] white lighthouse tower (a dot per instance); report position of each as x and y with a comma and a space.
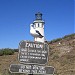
37, 28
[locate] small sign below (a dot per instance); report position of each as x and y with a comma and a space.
33, 52
31, 69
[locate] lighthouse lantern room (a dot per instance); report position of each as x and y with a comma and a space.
37, 28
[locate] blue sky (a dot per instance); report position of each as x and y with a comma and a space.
17, 15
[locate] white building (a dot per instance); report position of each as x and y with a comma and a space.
37, 28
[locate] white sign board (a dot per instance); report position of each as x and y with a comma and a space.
33, 52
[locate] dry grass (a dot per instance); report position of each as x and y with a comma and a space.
5, 62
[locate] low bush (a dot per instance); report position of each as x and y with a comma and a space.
16, 50
69, 36
56, 40
6, 51
1, 52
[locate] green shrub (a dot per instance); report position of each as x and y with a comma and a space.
1, 52
16, 50
69, 36
8, 51
56, 40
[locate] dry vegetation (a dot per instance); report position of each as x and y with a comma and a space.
61, 56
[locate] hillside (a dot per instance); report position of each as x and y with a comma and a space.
61, 56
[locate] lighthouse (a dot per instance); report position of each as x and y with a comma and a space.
37, 28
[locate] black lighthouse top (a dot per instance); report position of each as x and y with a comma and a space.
38, 16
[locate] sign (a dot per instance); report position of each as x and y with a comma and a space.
33, 52
31, 69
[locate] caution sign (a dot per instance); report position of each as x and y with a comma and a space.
33, 52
